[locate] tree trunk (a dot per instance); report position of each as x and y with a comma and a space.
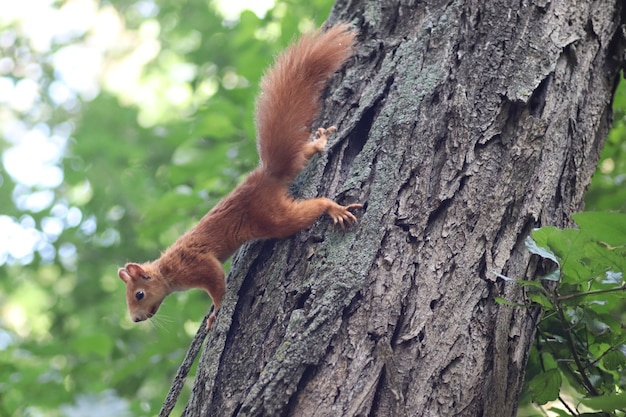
462, 125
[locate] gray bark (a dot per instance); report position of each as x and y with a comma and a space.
462, 126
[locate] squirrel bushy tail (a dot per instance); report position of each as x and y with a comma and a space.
290, 95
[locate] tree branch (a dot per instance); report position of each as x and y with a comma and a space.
183, 370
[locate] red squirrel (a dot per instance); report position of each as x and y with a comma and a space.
260, 207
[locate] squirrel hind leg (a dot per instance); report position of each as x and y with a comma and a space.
211, 319
213, 281
319, 143
214, 311
216, 295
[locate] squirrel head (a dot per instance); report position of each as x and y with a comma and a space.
145, 290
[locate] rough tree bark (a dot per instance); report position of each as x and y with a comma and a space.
463, 124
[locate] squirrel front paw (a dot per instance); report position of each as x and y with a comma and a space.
342, 214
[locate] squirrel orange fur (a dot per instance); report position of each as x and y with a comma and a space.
260, 207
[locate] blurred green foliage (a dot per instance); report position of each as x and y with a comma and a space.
133, 184
608, 187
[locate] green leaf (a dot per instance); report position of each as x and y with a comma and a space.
545, 387
505, 302
528, 283
560, 412
553, 276
548, 361
542, 300
607, 402
569, 247
614, 360
603, 226
534, 248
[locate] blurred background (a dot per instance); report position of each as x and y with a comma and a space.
122, 123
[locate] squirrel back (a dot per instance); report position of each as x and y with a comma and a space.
289, 98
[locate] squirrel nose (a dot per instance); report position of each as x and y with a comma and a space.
136, 319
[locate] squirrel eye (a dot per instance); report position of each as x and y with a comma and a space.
139, 295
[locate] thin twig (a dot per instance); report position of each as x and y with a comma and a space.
584, 294
183, 371
571, 411
570, 343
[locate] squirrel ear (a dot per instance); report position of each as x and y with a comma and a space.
123, 274
131, 272
135, 270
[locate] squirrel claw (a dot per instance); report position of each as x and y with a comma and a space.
324, 132
321, 138
343, 216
